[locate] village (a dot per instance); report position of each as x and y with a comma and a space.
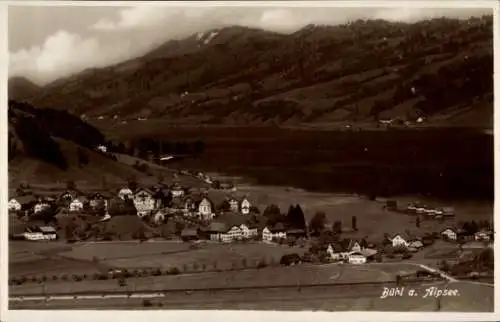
225, 216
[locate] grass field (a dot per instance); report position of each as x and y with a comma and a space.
271, 276
172, 254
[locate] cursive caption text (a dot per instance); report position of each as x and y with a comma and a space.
428, 292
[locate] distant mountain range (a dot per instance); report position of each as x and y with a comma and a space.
353, 73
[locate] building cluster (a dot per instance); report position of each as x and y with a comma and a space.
215, 215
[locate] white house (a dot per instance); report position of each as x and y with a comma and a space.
235, 233
159, 217
76, 205
234, 205
356, 258
39, 206
482, 235
125, 193
245, 206
40, 233
14, 205
177, 191
336, 253
102, 148
247, 231
144, 202
449, 233
205, 209
354, 246
399, 240
268, 234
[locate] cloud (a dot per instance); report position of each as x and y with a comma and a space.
129, 32
147, 16
63, 53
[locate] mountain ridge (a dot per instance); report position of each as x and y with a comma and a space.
353, 73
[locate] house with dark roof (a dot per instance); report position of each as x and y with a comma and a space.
78, 203
239, 204
18, 203
189, 234
177, 190
68, 195
296, 233
144, 201
125, 193
229, 227
400, 240
277, 231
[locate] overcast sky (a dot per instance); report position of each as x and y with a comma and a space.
46, 43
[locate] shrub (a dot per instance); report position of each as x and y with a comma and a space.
122, 282
262, 263
157, 272
64, 277
146, 303
173, 271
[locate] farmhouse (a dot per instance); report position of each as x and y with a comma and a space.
144, 201
219, 231
354, 246
335, 252
205, 209
21, 202
483, 235
248, 230
400, 240
40, 205
189, 234
190, 203
177, 190
276, 232
68, 195
125, 193
450, 234
97, 199
296, 233
416, 244
356, 258
14, 205
77, 204
34, 232
159, 216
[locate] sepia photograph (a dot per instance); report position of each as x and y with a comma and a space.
239, 156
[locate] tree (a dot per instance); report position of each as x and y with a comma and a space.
132, 183
417, 223
317, 223
70, 185
295, 217
254, 210
354, 221
273, 214
82, 157
337, 227
224, 206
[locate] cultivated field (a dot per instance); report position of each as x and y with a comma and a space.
271, 276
